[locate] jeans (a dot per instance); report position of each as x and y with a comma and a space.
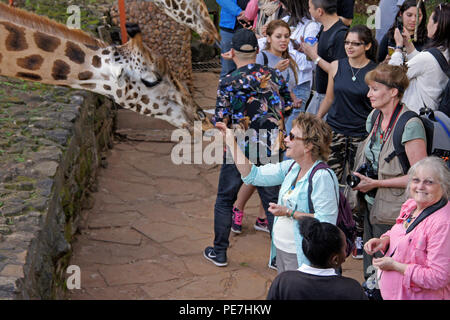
225, 46
229, 183
301, 91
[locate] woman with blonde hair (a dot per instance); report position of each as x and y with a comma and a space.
308, 145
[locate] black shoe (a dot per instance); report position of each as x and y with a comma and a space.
210, 254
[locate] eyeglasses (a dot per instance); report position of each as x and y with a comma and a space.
353, 44
292, 137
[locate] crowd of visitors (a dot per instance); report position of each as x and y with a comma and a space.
301, 86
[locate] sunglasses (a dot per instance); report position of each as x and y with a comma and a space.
292, 137
353, 44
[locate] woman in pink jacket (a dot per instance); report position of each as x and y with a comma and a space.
416, 265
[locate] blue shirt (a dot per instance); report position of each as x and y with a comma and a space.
324, 196
229, 10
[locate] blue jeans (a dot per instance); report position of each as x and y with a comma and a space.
301, 91
229, 184
225, 46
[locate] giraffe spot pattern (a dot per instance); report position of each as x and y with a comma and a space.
96, 61
90, 86
16, 38
60, 70
86, 75
106, 87
105, 52
46, 42
119, 93
32, 62
145, 99
74, 52
29, 76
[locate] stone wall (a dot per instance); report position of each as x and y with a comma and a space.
162, 35
51, 147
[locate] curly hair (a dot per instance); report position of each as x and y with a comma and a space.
317, 133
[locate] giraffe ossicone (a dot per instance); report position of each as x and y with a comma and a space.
38, 49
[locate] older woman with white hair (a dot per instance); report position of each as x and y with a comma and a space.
416, 265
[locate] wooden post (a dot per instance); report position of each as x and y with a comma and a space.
122, 16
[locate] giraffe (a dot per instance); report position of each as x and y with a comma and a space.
193, 14
36, 48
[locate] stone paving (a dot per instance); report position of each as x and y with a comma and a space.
144, 236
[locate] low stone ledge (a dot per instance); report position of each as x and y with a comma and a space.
50, 149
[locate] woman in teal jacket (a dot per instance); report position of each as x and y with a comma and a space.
308, 144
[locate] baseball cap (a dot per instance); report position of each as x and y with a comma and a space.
244, 40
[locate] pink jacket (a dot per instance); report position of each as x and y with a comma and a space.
251, 11
426, 250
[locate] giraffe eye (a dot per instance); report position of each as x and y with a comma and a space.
150, 84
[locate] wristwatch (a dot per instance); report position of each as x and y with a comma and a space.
317, 60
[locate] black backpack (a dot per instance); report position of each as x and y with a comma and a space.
444, 105
437, 129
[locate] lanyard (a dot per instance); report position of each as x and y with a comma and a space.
392, 121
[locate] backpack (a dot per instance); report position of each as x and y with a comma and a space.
345, 220
444, 105
437, 129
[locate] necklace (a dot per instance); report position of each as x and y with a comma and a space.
354, 74
409, 219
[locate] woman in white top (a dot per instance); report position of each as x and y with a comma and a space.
427, 80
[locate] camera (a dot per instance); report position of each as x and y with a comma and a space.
367, 170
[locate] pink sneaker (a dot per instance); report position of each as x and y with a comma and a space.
236, 222
262, 225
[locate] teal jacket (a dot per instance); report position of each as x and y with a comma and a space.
324, 196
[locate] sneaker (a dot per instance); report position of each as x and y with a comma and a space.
273, 264
236, 220
262, 225
357, 252
210, 254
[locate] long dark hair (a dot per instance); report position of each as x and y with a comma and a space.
365, 35
321, 240
271, 27
442, 17
421, 29
297, 10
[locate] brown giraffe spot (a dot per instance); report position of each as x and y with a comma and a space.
60, 70
86, 75
147, 111
96, 61
105, 52
29, 76
106, 87
169, 112
46, 42
189, 12
174, 5
188, 20
155, 106
90, 86
168, 3
182, 16
145, 99
135, 95
32, 62
138, 107
74, 52
119, 93
16, 38
92, 47
183, 5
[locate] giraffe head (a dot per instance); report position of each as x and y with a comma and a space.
144, 83
193, 14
